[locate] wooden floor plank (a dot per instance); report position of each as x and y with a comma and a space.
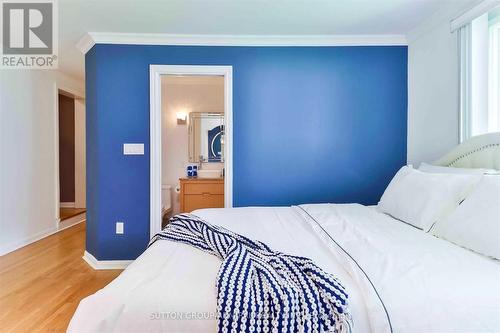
66, 213
42, 283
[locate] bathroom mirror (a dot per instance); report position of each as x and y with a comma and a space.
206, 137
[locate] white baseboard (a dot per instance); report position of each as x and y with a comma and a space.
67, 204
42, 234
26, 241
105, 264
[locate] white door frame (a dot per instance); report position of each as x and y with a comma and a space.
155, 151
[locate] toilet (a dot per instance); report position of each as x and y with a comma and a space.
166, 199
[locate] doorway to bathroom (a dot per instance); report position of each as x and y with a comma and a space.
191, 154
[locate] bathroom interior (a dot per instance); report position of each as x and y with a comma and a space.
192, 143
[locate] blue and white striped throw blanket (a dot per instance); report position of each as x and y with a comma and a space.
261, 290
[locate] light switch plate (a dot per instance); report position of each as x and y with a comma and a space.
119, 228
133, 149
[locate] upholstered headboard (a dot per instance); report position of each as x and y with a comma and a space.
482, 151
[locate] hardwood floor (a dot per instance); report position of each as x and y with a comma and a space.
42, 283
66, 213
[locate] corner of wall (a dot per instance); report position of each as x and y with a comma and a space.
433, 116
68, 83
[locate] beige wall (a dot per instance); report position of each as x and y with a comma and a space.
184, 94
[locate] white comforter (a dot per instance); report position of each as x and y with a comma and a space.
398, 277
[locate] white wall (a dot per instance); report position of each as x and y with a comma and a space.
433, 108
28, 183
433, 85
188, 94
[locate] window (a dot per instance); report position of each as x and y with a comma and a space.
479, 46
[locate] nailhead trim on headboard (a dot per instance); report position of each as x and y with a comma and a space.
472, 152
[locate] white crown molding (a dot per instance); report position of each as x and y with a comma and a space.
445, 16
476, 11
437, 19
85, 43
105, 264
92, 38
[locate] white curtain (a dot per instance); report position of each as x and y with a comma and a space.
464, 49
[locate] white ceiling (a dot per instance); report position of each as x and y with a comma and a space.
239, 17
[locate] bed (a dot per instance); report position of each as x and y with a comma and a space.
399, 278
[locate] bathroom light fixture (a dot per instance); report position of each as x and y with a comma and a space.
181, 118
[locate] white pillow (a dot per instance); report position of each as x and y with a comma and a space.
450, 170
421, 199
475, 224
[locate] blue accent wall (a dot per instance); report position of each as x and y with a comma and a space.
311, 124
